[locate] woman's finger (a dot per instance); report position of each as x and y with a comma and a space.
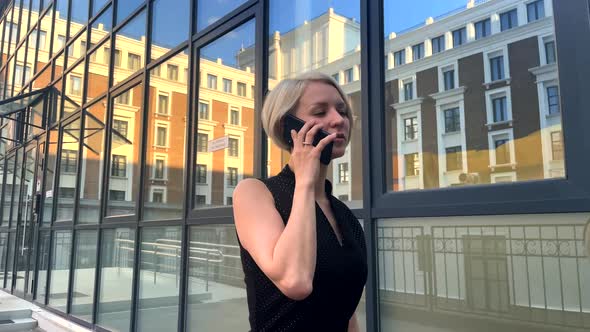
309, 137
325, 141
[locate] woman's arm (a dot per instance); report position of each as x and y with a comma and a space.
353, 324
286, 254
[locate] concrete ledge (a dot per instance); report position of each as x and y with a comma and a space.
51, 322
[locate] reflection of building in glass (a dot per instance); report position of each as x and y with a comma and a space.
470, 87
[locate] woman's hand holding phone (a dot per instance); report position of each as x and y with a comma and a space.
305, 156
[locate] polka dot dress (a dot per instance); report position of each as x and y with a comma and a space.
339, 279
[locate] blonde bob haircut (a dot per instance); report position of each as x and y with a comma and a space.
284, 98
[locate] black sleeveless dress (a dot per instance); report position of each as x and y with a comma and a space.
339, 279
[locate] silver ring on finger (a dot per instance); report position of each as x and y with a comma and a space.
306, 143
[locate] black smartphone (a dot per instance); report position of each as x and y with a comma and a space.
292, 122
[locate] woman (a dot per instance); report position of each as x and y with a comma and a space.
303, 251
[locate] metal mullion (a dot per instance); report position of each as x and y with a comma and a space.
372, 100
192, 80
69, 290
79, 321
97, 276
193, 90
261, 54
221, 220
227, 18
162, 223
135, 281
144, 111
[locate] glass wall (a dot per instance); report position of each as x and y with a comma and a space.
149, 117
225, 116
61, 250
163, 195
322, 36
495, 272
116, 279
216, 290
84, 273
159, 279
467, 101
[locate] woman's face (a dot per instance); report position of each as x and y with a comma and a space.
322, 102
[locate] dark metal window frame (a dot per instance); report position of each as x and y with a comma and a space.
544, 196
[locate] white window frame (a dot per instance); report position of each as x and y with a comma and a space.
501, 134
542, 54
487, 68
506, 10
159, 156
231, 83
208, 107
71, 76
234, 108
216, 81
403, 119
164, 190
168, 111
441, 79
402, 90
239, 147
129, 100
490, 95
165, 124
546, 85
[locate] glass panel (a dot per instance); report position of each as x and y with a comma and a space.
98, 71
3, 254
43, 266
125, 152
16, 194
509, 273
209, 12
92, 163
124, 8
215, 281
24, 229
492, 89
159, 279
326, 38
10, 260
102, 25
165, 157
7, 198
79, 16
97, 5
130, 47
116, 279
225, 58
68, 172
60, 269
84, 272
168, 13
50, 163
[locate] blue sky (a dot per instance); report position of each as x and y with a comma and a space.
285, 15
